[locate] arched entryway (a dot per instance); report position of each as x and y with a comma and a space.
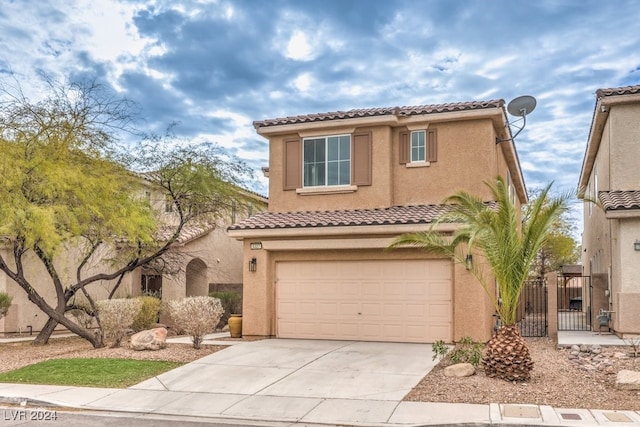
196, 279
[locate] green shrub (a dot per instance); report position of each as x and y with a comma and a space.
231, 304
467, 351
440, 350
147, 317
5, 303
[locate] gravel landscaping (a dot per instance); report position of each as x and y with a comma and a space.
559, 378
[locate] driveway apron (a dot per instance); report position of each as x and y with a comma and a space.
303, 369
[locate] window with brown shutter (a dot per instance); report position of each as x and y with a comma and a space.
292, 176
431, 147
361, 159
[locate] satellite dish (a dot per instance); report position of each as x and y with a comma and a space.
522, 105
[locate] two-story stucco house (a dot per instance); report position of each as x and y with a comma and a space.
342, 186
611, 237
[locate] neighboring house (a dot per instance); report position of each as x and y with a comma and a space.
205, 259
342, 186
611, 237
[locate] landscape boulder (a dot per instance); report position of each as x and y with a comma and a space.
152, 339
460, 370
628, 380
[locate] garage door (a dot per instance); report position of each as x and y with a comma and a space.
392, 300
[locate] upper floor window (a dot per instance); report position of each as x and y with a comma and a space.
327, 161
418, 146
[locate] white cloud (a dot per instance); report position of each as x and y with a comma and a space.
298, 47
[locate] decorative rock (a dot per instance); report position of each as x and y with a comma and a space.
460, 370
152, 339
584, 348
575, 348
628, 380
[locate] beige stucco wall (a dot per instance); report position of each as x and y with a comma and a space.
467, 156
608, 255
623, 130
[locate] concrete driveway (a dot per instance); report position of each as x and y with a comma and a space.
305, 369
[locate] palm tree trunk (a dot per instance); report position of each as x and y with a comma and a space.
507, 356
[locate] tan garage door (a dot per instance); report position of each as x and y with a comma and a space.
393, 300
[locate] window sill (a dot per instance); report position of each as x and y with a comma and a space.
418, 164
333, 189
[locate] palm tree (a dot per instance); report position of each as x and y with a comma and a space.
509, 243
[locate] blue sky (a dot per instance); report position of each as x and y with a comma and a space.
216, 66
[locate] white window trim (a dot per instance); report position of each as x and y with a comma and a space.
305, 189
420, 162
327, 189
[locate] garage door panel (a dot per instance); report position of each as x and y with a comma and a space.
393, 310
394, 300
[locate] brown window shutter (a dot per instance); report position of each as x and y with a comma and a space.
361, 159
432, 146
405, 149
292, 164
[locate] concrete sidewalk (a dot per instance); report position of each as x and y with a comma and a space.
275, 410
284, 382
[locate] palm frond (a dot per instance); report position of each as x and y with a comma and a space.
508, 240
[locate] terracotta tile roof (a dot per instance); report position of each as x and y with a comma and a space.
188, 233
370, 112
417, 214
619, 200
625, 90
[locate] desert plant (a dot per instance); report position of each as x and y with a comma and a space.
196, 316
116, 316
82, 314
634, 343
5, 303
147, 317
439, 349
231, 304
467, 351
510, 247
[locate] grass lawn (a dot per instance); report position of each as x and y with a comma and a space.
112, 373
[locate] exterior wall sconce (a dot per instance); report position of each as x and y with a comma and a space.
636, 245
468, 262
253, 264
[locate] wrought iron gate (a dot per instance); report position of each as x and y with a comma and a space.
533, 309
574, 303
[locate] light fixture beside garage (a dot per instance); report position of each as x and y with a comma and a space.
468, 262
253, 264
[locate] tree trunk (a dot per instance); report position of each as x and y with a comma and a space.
45, 333
95, 338
507, 356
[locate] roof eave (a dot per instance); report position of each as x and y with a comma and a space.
383, 120
345, 231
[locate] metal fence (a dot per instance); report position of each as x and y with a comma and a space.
574, 303
533, 309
